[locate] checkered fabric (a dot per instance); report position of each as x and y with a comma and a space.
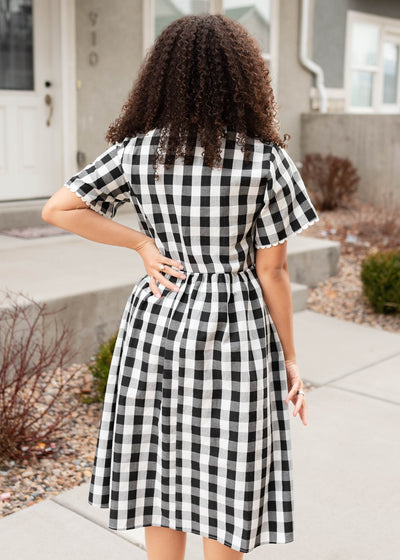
195, 432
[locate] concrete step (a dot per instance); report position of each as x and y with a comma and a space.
88, 283
311, 259
299, 296
27, 213
21, 213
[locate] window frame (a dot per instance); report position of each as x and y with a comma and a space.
389, 30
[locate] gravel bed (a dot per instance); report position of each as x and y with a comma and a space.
68, 464
361, 229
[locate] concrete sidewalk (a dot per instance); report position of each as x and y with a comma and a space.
346, 464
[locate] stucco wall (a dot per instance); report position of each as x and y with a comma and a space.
330, 32
107, 64
371, 142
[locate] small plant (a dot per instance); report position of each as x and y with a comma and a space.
100, 369
331, 181
380, 275
33, 355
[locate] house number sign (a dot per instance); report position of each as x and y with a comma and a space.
93, 55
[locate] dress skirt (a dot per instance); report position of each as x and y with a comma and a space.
195, 434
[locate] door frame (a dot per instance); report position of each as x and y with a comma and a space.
66, 18
63, 38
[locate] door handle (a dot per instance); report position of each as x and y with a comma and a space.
49, 102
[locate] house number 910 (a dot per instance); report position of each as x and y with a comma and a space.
93, 55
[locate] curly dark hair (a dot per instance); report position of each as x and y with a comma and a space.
203, 73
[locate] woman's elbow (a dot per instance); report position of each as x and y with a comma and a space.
46, 214
49, 212
276, 272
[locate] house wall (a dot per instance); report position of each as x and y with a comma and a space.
371, 142
109, 53
329, 29
294, 81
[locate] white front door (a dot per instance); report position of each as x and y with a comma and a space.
31, 150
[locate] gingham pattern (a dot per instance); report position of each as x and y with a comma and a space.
195, 431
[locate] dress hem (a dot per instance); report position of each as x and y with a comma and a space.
292, 234
288, 540
90, 203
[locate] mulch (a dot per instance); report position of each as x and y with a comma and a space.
66, 459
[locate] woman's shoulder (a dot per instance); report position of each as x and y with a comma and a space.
140, 136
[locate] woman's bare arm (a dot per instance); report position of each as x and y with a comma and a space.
67, 211
273, 274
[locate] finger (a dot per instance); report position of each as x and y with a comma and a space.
173, 262
303, 413
293, 391
154, 288
174, 272
298, 403
290, 396
161, 278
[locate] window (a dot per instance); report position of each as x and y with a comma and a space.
390, 73
16, 45
255, 15
260, 17
372, 77
166, 11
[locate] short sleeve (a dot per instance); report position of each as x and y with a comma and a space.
102, 183
287, 207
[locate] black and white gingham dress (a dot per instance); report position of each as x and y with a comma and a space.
195, 431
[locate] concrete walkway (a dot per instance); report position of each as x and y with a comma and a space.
346, 464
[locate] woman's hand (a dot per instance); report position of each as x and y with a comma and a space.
295, 384
152, 259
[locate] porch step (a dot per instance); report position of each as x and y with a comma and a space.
299, 296
28, 213
89, 283
311, 260
21, 213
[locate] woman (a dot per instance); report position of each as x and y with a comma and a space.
194, 435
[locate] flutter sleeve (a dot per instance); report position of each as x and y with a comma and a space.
102, 184
287, 208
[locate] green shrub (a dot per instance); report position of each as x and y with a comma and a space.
100, 368
380, 275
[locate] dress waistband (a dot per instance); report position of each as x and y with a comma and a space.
209, 273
